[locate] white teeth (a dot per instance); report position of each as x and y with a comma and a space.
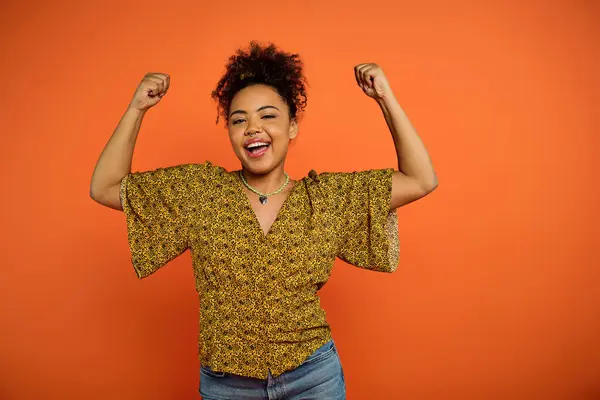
255, 144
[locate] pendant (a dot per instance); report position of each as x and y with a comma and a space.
263, 199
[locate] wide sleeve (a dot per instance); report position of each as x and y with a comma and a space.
157, 206
367, 228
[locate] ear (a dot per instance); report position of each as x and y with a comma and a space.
293, 129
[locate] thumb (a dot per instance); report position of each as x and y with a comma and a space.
378, 85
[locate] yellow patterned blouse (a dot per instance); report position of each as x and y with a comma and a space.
259, 308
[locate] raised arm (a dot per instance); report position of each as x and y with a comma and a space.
115, 160
416, 177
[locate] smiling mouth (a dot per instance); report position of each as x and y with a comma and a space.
257, 149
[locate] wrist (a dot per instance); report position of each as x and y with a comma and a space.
386, 101
134, 111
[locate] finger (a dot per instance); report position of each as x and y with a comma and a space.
369, 75
165, 78
358, 70
357, 75
158, 81
360, 82
363, 75
166, 87
153, 76
377, 87
167, 82
152, 89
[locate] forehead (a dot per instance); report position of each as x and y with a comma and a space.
254, 96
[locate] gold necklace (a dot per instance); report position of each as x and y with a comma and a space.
263, 197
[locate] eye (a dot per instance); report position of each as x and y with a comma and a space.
268, 116
237, 121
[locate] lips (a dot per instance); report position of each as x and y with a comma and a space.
256, 147
255, 140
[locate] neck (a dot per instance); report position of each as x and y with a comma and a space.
268, 182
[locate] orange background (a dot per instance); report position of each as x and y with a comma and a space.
498, 291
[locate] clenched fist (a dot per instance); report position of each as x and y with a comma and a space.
372, 80
150, 91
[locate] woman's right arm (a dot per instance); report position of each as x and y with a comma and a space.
115, 160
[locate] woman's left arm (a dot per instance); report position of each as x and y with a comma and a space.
416, 177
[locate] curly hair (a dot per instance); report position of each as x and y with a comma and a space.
265, 65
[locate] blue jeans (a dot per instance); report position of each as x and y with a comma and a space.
319, 377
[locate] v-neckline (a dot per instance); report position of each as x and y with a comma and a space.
248, 203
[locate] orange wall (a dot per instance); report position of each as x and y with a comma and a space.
498, 290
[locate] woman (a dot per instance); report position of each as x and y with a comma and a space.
263, 244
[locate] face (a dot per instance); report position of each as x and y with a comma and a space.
260, 128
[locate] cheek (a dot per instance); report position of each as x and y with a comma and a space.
236, 135
280, 130
283, 143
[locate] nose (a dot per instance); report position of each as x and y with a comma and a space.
253, 128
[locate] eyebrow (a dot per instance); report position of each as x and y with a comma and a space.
244, 112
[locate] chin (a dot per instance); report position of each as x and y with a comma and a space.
259, 168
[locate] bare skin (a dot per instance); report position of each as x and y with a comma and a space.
115, 160
266, 214
258, 112
415, 177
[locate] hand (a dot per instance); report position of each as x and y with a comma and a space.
150, 91
372, 81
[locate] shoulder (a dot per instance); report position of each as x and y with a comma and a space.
344, 181
327, 185
327, 179
180, 176
207, 167
183, 171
